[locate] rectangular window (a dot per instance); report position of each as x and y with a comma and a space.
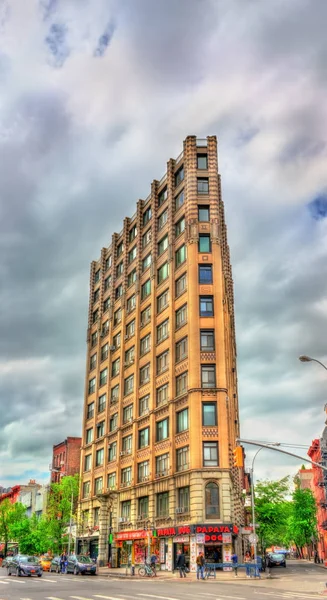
162, 197
162, 394
146, 289
162, 362
206, 306
107, 283
97, 276
181, 316
162, 430
114, 397
112, 451
163, 504
103, 377
204, 242
130, 328
120, 269
163, 272
181, 384
87, 462
117, 340
207, 340
100, 429
205, 274
210, 454
180, 285
93, 362
131, 278
182, 458
129, 385
85, 517
129, 356
179, 200
127, 444
143, 471
104, 351
120, 248
203, 185
180, 256
94, 339
144, 405
105, 328
98, 485
89, 436
99, 456
113, 423
209, 414
115, 367
143, 507
146, 262
92, 385
117, 317
95, 315
132, 254
90, 410
147, 216
106, 304
86, 489
146, 238
179, 176
144, 437
145, 344
162, 331
145, 316
163, 245
162, 220
162, 464
131, 303
203, 213
181, 349
108, 262
182, 420
202, 161
96, 295
145, 374
208, 376
96, 516
180, 227
162, 301
126, 510
119, 291
111, 481
132, 234
102, 403
183, 498
126, 477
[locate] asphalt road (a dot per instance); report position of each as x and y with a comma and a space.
298, 580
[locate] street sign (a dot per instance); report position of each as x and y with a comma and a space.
256, 525
253, 538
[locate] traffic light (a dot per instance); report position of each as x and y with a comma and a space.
238, 456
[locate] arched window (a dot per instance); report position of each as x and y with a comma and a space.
212, 500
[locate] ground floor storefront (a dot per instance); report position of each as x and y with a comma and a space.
88, 545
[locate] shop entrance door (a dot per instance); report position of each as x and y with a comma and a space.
213, 553
185, 548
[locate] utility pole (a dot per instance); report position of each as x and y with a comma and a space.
273, 447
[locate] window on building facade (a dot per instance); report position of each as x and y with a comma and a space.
143, 469
113, 423
95, 315
162, 331
181, 349
202, 160
182, 420
106, 304
102, 403
117, 316
182, 458
132, 233
144, 405
89, 436
147, 215
86, 489
203, 185
107, 283
145, 344
162, 430
131, 303
119, 269
130, 328
145, 374
129, 385
104, 351
100, 429
212, 501
180, 285
128, 413
126, 509
145, 316
205, 274
111, 481
99, 456
90, 410
146, 238
93, 362
98, 485
126, 476
207, 340
143, 507
88, 462
181, 384
94, 338
162, 464
105, 328
132, 254
108, 262
96, 516
131, 278
129, 356
146, 262
162, 220
162, 273
203, 213
146, 289
120, 249
162, 196
183, 498
163, 362
162, 245
179, 176
208, 376
179, 200
144, 437
114, 396
162, 394
117, 340
210, 454
97, 276
112, 451
180, 256
162, 301
163, 504
92, 385
209, 414
103, 377
85, 517
206, 306
115, 367
119, 291
96, 295
127, 443
204, 243
180, 227
181, 316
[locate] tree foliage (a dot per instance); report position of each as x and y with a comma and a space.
273, 509
62, 506
10, 515
302, 522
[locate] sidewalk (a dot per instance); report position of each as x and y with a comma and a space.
173, 576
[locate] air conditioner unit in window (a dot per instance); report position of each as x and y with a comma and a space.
130, 420
112, 348
122, 519
126, 337
146, 411
179, 510
122, 453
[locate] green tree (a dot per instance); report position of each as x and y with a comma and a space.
272, 509
302, 521
62, 505
10, 516
33, 535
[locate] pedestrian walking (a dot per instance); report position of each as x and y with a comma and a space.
235, 563
181, 564
63, 562
200, 566
153, 562
247, 560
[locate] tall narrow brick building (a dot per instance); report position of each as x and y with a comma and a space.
161, 408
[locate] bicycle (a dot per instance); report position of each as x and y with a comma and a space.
146, 571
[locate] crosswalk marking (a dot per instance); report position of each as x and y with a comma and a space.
4, 582
80, 598
160, 597
111, 597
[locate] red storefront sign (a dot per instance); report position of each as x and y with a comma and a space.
173, 531
214, 533
131, 535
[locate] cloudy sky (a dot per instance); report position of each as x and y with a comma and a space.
95, 96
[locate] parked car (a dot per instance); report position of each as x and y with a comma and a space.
81, 564
6, 561
25, 565
55, 565
276, 560
45, 562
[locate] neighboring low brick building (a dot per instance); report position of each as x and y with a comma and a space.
66, 458
318, 454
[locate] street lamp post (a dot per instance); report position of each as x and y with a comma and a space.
304, 358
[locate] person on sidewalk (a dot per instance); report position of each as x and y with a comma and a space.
63, 562
181, 564
200, 566
153, 562
247, 560
235, 563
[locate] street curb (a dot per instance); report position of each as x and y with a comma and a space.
185, 580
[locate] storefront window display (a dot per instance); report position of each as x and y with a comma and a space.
140, 548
